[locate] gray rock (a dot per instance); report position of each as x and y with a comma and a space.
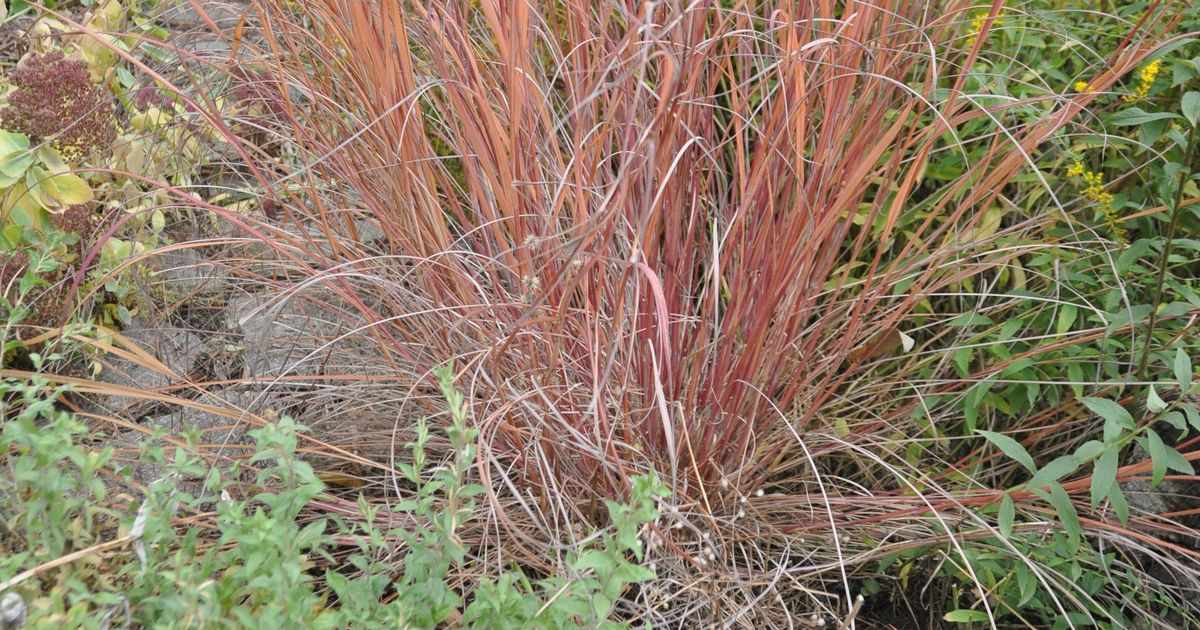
279, 336
175, 348
182, 15
187, 271
12, 611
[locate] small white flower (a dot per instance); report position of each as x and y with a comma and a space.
758, 493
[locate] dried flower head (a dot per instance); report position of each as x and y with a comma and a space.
55, 101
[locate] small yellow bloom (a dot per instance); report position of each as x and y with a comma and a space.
977, 22
1146, 79
1103, 199
1082, 86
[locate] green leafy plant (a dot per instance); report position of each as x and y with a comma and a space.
255, 566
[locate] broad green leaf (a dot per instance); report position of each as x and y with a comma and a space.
1115, 416
1066, 318
1153, 402
10, 237
1137, 116
1178, 462
1008, 513
963, 615
1104, 475
1158, 457
1191, 107
1026, 583
1010, 447
1089, 449
1193, 416
1183, 370
1058, 468
67, 189
21, 208
52, 160
1175, 419
629, 572
13, 143
15, 158
601, 605
962, 361
594, 559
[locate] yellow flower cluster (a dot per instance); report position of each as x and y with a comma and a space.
1145, 81
1103, 199
977, 22
1083, 86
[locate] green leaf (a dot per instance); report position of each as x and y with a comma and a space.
1158, 457
1010, 447
1061, 501
595, 559
1153, 402
1176, 420
1183, 370
629, 572
970, 319
10, 237
962, 615
1104, 475
1193, 416
1057, 469
13, 143
1137, 116
1115, 416
1191, 107
1179, 463
973, 401
24, 210
1008, 513
1075, 373
1066, 318
1089, 449
1116, 499
601, 605
15, 158
1026, 583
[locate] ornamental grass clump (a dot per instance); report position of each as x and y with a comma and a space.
56, 102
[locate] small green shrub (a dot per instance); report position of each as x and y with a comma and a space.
257, 563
